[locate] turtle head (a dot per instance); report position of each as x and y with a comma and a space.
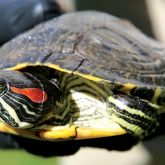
25, 98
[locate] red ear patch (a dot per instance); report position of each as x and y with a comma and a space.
35, 94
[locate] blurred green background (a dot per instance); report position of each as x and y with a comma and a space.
20, 157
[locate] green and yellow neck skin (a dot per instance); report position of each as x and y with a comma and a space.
100, 105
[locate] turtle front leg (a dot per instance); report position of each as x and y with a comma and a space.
139, 117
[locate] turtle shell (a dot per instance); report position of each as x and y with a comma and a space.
94, 45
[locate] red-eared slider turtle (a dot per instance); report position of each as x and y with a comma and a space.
81, 75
